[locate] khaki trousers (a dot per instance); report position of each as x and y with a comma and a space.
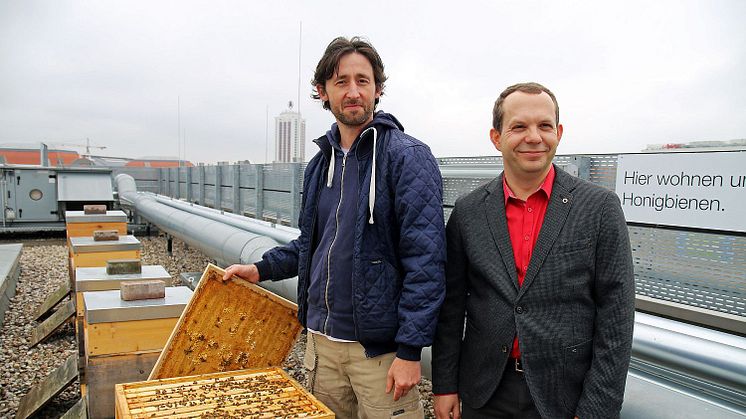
352, 385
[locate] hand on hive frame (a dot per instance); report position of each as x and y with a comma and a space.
247, 272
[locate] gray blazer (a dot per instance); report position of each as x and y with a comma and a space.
574, 313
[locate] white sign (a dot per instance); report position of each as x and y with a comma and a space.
701, 190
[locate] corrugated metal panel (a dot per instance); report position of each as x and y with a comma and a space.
278, 177
248, 199
277, 205
698, 269
603, 171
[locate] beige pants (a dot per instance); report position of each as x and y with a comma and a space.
353, 386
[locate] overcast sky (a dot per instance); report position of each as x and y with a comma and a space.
626, 73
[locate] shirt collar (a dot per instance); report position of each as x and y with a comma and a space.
545, 186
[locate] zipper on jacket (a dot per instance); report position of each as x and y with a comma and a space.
336, 230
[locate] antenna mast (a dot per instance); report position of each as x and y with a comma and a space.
300, 48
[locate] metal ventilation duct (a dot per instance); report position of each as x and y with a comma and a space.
222, 242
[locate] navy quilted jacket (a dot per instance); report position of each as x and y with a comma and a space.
398, 258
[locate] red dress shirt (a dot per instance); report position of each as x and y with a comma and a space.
524, 223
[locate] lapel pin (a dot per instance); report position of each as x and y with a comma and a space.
564, 200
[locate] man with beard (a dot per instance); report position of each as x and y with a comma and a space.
371, 251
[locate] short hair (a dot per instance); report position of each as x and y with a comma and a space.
338, 48
529, 87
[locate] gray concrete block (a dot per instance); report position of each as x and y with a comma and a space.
143, 290
105, 235
94, 209
123, 266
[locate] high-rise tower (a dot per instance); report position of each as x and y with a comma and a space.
290, 136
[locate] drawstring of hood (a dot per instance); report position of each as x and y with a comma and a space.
330, 171
372, 189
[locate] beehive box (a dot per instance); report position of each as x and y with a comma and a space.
79, 224
114, 326
257, 393
227, 326
96, 279
86, 252
122, 341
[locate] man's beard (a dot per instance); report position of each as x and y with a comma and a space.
356, 119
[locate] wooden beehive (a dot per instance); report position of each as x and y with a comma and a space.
122, 341
113, 326
79, 224
257, 393
88, 253
227, 326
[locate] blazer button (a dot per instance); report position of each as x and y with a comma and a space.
505, 349
519, 310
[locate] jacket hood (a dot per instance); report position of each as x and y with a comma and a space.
365, 144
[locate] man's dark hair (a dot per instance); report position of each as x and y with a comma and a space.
338, 48
530, 87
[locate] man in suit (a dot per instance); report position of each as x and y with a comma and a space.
539, 308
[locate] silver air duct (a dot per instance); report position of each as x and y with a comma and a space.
224, 243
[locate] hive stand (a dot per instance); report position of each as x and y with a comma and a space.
78, 411
52, 300
51, 386
55, 321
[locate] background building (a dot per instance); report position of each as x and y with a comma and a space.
290, 136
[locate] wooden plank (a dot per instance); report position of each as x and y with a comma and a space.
52, 300
48, 388
142, 290
264, 392
52, 323
79, 304
102, 373
126, 337
228, 326
78, 411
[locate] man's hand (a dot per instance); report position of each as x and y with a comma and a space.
447, 407
402, 376
247, 272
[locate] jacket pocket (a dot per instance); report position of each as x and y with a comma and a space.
576, 363
309, 357
580, 245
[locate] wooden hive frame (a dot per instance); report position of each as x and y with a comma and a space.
226, 326
256, 393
